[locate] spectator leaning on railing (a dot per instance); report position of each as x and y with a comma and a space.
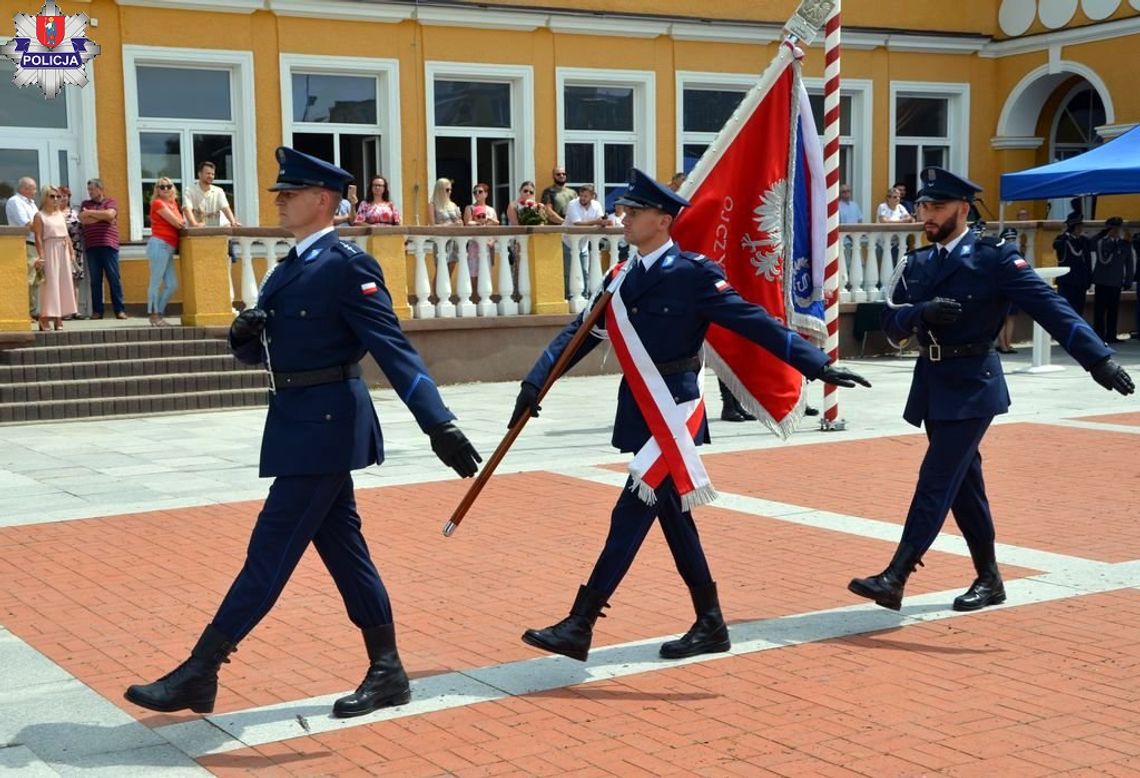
377, 207
165, 222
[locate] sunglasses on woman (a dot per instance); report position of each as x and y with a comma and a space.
166, 186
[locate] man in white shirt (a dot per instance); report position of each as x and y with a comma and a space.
583, 211
849, 210
205, 203
20, 209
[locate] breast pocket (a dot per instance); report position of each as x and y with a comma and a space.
666, 309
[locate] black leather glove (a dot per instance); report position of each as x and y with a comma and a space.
941, 310
841, 376
1112, 376
527, 401
248, 326
454, 449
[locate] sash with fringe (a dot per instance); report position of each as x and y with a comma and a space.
671, 449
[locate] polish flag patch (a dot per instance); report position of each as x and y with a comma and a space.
369, 288
722, 286
1020, 263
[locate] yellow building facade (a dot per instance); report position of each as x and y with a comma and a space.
502, 91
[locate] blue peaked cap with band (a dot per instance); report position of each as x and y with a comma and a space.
644, 192
940, 185
297, 170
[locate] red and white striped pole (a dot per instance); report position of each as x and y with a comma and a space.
831, 49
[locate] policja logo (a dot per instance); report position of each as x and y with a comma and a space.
50, 49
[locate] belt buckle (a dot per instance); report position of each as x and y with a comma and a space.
934, 350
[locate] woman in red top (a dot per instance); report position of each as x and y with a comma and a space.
165, 222
377, 207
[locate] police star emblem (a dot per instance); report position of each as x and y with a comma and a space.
50, 49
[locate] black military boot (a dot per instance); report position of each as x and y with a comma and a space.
708, 635
571, 637
987, 588
886, 588
386, 683
193, 684
730, 408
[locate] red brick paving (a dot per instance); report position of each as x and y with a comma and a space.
979, 696
1072, 491
1033, 690
115, 600
1131, 419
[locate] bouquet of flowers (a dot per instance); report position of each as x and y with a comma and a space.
531, 213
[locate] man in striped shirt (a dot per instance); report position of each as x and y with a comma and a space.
99, 217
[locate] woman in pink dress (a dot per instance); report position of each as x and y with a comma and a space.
55, 258
377, 206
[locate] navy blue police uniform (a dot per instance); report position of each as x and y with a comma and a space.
320, 310
672, 297
958, 385
1074, 252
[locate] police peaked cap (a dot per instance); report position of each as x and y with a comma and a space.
940, 185
644, 192
297, 170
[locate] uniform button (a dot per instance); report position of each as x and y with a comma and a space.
304, 313
328, 417
269, 339
666, 309
272, 312
676, 399
634, 309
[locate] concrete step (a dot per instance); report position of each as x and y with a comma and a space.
139, 386
78, 337
106, 352
123, 368
18, 413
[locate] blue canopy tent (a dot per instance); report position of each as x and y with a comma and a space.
1112, 168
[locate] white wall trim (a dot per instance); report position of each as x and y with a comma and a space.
1023, 107
644, 83
615, 26
1110, 131
331, 9
224, 6
957, 120
481, 17
1090, 33
244, 119
1020, 142
387, 107
862, 91
521, 79
727, 33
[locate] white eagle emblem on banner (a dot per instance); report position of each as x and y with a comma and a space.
767, 251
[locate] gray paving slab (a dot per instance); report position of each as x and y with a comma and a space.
22, 761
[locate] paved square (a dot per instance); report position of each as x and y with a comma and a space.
119, 538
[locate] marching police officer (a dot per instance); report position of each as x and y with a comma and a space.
952, 296
319, 311
667, 298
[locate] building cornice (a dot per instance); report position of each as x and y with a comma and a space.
479, 17
1110, 131
333, 9
223, 6
1016, 142
1071, 37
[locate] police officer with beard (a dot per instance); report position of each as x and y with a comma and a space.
952, 296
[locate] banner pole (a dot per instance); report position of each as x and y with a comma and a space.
831, 54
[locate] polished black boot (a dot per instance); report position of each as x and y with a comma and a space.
708, 635
730, 408
987, 588
193, 684
886, 588
571, 637
386, 683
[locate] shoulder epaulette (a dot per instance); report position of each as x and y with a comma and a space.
347, 248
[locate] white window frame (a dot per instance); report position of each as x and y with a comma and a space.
79, 136
861, 140
957, 136
387, 74
242, 124
644, 133
690, 79
521, 132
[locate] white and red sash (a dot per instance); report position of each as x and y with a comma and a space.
671, 450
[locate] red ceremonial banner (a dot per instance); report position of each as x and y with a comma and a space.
739, 214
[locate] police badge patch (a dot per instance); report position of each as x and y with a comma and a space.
50, 49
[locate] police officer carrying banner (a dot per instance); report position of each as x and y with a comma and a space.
320, 310
952, 295
664, 300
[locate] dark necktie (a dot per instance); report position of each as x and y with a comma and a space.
290, 256
942, 254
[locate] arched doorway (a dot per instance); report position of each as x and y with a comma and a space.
1079, 113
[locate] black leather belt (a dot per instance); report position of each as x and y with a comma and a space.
937, 352
686, 365
325, 375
